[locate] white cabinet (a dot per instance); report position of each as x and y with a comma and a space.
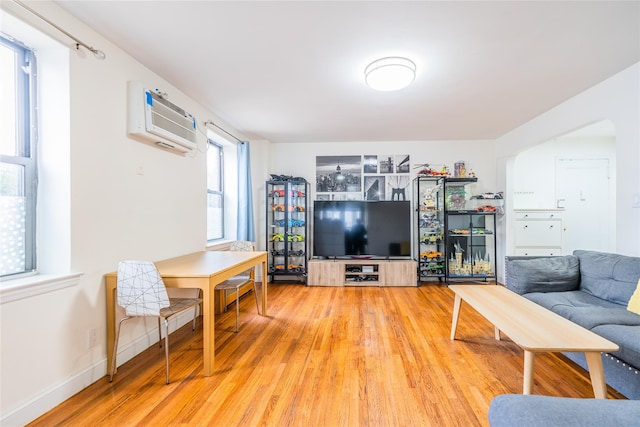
538, 232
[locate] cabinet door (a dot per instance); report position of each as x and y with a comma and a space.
430, 227
539, 233
471, 245
326, 273
399, 273
296, 227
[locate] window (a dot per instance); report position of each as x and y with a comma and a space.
18, 168
215, 192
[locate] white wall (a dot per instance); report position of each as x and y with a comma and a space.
299, 159
534, 182
616, 99
126, 199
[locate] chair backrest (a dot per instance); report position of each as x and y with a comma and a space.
140, 289
241, 246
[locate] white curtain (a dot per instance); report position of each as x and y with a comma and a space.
246, 230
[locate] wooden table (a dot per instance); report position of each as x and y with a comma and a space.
201, 270
533, 328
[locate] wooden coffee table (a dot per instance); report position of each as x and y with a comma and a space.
534, 329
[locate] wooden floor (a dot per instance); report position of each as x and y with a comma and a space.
354, 356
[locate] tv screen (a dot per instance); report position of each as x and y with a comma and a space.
380, 229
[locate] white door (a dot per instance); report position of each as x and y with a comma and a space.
582, 188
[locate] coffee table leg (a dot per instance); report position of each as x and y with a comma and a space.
527, 380
596, 372
497, 333
454, 318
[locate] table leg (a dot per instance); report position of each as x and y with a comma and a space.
111, 320
527, 380
454, 318
264, 286
208, 322
596, 372
496, 333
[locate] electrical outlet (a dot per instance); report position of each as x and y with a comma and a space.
93, 337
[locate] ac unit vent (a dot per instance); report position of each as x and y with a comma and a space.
152, 118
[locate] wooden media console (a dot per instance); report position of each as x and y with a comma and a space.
356, 272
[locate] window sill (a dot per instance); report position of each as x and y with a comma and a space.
27, 287
219, 245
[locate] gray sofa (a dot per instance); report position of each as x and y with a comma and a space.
591, 289
517, 410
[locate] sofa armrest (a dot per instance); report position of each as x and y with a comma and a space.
509, 410
542, 274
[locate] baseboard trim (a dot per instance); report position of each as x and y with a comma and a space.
58, 393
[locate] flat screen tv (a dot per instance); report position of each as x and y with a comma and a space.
361, 229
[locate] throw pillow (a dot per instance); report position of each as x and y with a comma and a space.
544, 274
634, 301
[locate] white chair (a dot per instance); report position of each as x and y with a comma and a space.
237, 282
142, 293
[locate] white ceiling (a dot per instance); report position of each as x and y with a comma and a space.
293, 71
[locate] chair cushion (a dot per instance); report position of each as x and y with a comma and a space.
233, 283
178, 305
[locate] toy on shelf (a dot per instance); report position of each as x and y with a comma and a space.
426, 170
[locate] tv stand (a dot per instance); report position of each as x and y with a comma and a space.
362, 272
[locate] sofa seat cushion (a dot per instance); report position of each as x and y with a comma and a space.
627, 337
585, 309
544, 274
608, 276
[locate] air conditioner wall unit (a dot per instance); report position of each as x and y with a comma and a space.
152, 118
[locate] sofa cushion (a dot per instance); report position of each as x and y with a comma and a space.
627, 337
545, 274
584, 309
608, 276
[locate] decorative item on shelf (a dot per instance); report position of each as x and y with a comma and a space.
456, 198
459, 169
427, 170
482, 267
491, 202
430, 198
276, 177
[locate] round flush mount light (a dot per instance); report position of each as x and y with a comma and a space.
390, 73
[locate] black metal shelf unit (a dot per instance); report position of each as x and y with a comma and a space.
287, 226
452, 242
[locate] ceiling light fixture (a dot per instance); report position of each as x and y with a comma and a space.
390, 73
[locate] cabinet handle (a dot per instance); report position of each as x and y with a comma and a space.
526, 226
550, 227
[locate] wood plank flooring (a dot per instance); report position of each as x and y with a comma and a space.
354, 356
